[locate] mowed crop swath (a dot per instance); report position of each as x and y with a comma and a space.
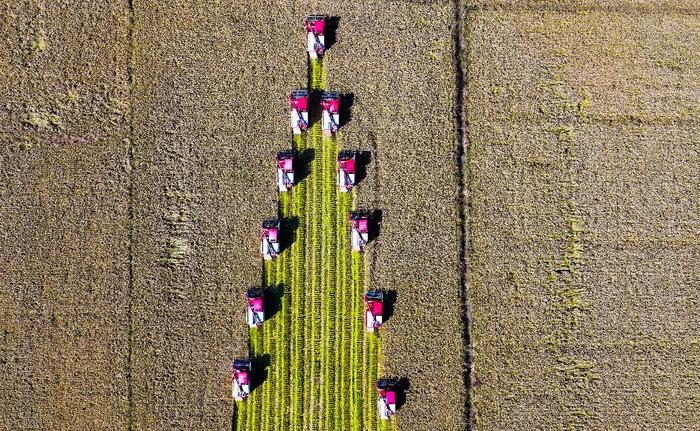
313, 365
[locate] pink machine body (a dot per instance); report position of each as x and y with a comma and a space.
315, 35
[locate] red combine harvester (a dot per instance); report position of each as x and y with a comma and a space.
299, 110
315, 39
330, 103
285, 170
359, 224
346, 170
374, 301
256, 307
270, 241
241, 369
386, 403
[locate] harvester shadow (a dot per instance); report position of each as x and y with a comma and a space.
345, 108
374, 224
403, 385
314, 104
260, 373
332, 23
363, 160
288, 234
304, 159
274, 300
389, 301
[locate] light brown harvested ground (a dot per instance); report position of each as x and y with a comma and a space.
584, 137
63, 216
584, 132
211, 112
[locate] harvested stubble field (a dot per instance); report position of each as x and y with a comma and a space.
64, 260
140, 139
584, 147
137, 148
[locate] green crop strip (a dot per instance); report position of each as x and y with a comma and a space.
322, 364
297, 298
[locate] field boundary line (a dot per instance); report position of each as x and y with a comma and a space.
130, 65
622, 9
460, 57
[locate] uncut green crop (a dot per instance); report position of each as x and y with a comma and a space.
322, 365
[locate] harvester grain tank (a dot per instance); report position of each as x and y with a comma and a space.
359, 230
330, 119
241, 372
285, 170
255, 313
315, 35
346, 170
270, 239
299, 110
374, 303
386, 402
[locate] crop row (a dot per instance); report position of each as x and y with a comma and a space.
319, 364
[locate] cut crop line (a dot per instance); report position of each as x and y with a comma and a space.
297, 265
343, 327
241, 410
326, 285
253, 400
316, 291
340, 310
298, 295
308, 280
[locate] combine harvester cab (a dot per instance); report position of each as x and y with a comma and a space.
270, 240
386, 402
241, 370
346, 170
299, 111
374, 301
285, 170
255, 313
330, 103
315, 38
359, 234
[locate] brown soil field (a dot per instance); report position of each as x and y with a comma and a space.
64, 262
584, 137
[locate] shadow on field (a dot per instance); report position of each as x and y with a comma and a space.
363, 160
314, 104
389, 301
374, 224
332, 23
288, 234
303, 168
403, 385
345, 108
274, 300
260, 366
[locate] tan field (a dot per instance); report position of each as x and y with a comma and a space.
138, 141
584, 216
